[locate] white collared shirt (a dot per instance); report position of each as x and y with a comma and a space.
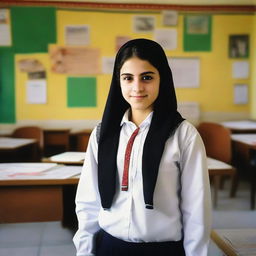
182, 204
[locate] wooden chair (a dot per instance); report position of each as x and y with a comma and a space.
82, 140
217, 141
32, 132
56, 141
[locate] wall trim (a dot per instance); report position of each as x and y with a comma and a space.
131, 6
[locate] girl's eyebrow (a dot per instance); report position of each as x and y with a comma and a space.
147, 73
142, 74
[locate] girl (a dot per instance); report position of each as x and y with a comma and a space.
144, 188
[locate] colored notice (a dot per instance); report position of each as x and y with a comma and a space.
197, 33
81, 92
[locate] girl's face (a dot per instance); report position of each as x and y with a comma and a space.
139, 84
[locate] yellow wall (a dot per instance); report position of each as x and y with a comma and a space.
216, 86
253, 88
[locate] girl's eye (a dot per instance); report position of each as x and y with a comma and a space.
147, 78
127, 78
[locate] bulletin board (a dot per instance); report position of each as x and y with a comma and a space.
33, 28
54, 37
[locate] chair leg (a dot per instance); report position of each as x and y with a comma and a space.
216, 185
222, 182
234, 185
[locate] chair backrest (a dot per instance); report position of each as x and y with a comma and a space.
82, 140
217, 141
30, 132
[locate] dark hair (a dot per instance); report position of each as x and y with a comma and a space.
164, 121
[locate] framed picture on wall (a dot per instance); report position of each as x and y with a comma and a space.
143, 24
239, 46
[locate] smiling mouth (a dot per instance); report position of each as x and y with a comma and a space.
139, 96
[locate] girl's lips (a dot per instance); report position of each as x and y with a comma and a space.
139, 96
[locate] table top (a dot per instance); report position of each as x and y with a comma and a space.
38, 174
248, 139
216, 164
242, 125
8, 143
68, 157
54, 174
235, 242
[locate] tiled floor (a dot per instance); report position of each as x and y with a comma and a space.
35, 239
50, 239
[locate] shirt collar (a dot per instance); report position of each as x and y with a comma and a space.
145, 123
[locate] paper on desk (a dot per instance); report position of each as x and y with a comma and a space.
60, 172
16, 170
30, 171
69, 157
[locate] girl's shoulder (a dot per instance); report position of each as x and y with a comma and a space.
186, 127
186, 131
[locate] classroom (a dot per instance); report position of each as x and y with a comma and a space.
56, 64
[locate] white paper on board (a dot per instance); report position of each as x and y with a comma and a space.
36, 92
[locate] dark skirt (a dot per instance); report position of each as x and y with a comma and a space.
107, 245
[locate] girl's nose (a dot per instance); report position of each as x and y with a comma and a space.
137, 86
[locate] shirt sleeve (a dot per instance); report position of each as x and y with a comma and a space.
195, 195
88, 201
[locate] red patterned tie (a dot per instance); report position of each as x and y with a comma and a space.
127, 160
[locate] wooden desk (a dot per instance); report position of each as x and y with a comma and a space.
243, 126
244, 149
73, 158
235, 242
217, 169
39, 198
17, 149
247, 139
7, 143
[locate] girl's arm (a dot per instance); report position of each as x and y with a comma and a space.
195, 195
88, 201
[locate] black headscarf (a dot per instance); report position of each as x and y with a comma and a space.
164, 122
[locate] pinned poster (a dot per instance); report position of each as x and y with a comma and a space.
77, 35
75, 60
240, 69
121, 40
240, 94
170, 18
5, 30
81, 92
185, 71
197, 33
36, 92
167, 38
108, 65
190, 111
143, 23
30, 65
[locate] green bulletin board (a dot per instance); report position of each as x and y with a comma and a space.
7, 92
33, 28
197, 33
81, 92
